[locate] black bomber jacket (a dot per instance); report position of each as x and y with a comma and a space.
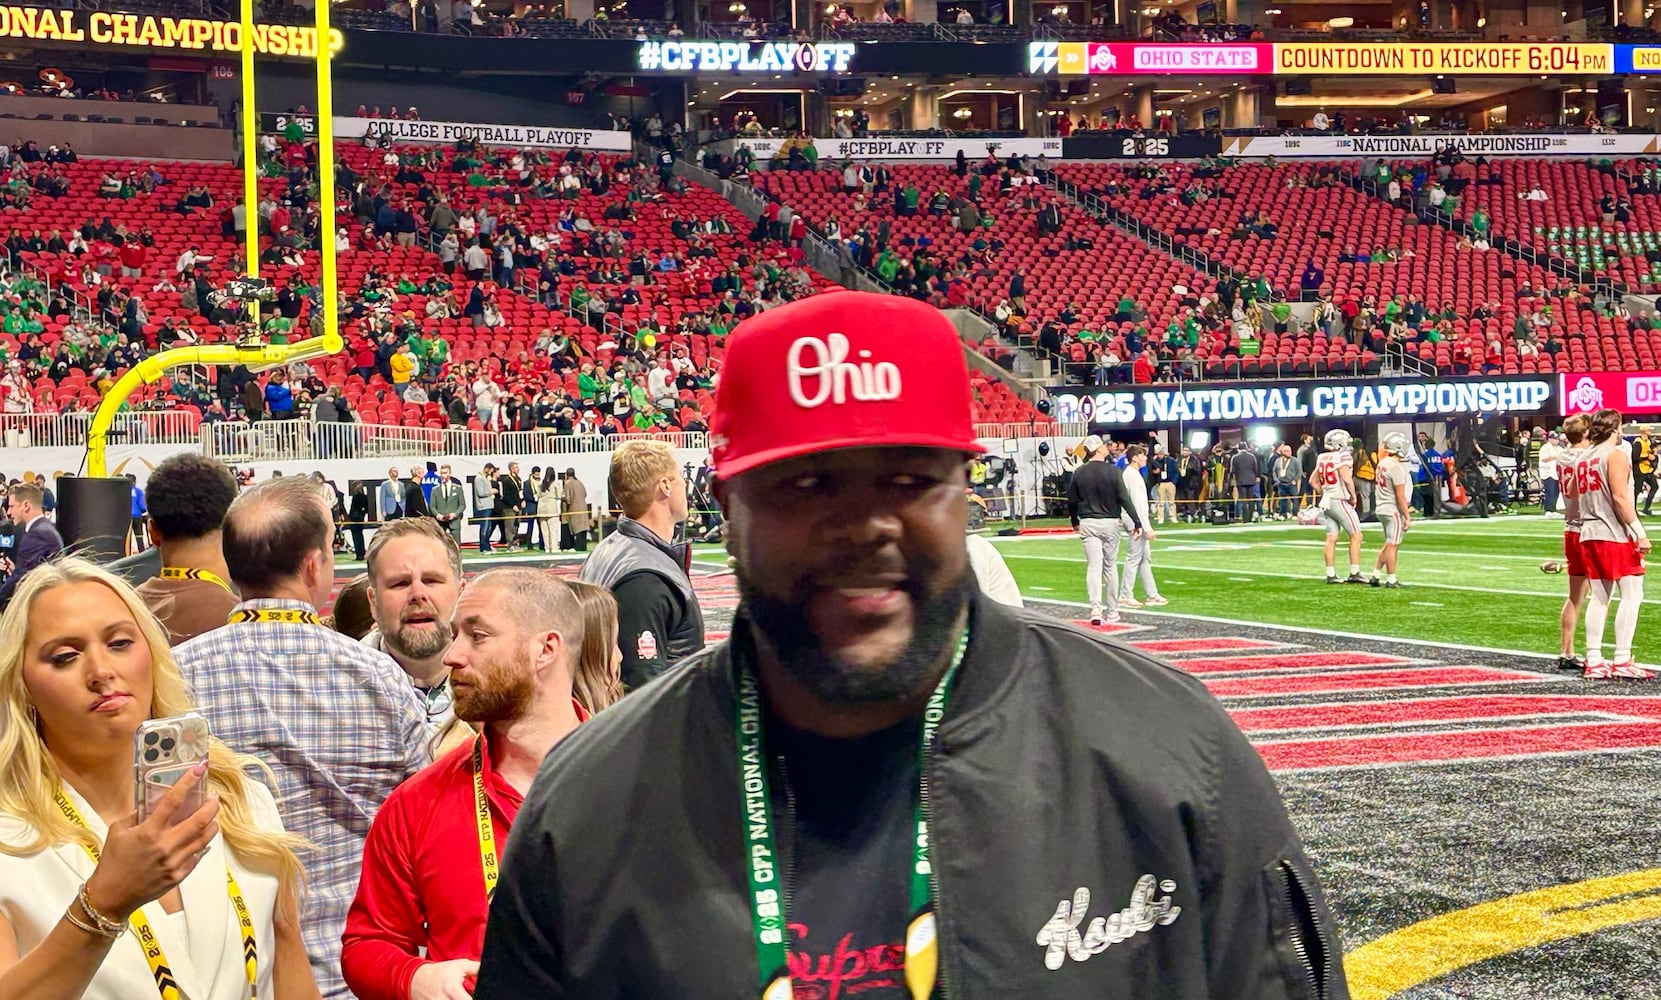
1100, 829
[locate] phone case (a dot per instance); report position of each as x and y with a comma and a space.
164, 750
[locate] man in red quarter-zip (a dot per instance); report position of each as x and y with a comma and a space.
883, 784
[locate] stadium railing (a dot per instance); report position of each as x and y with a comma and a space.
295, 440
69, 430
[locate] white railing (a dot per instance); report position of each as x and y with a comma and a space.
1029, 429
69, 430
290, 440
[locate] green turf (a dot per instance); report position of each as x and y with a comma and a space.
1475, 583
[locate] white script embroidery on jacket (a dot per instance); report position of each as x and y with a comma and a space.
1061, 938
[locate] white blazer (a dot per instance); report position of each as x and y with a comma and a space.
207, 961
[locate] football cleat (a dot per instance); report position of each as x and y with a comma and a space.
1599, 672
1570, 663
1355, 578
1630, 671
1129, 602
1156, 602
1391, 586
1333, 579
1374, 582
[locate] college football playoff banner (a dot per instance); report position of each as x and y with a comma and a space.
879, 147
1213, 403
524, 136
1339, 146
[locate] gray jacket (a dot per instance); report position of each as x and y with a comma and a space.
484, 495
1070, 775
448, 500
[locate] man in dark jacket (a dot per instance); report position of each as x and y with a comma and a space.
659, 620
1244, 469
1096, 499
877, 744
37, 538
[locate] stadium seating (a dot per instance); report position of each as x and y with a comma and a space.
1323, 223
664, 302
1567, 225
1092, 280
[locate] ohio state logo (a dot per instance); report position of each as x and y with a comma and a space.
818, 371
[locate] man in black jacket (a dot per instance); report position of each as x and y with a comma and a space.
659, 620
1096, 500
885, 784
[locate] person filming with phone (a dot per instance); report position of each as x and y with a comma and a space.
195, 894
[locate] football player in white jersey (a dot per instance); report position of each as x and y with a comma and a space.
1334, 482
1392, 490
1574, 431
1612, 546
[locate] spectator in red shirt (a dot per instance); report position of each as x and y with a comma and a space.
1141, 370
416, 928
132, 255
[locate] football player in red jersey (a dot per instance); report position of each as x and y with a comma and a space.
1612, 546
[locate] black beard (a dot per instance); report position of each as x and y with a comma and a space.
784, 625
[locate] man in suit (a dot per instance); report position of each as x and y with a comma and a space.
510, 491
358, 518
448, 503
415, 496
37, 539
392, 497
484, 504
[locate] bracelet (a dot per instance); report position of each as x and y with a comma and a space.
69, 915
109, 928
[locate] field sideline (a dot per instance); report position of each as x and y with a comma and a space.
1465, 582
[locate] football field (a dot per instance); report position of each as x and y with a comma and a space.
1465, 582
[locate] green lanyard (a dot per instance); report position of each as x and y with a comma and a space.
767, 901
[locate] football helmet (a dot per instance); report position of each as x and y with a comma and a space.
1396, 443
1337, 439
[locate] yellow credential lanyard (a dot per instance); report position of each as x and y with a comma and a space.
165, 983
175, 573
487, 832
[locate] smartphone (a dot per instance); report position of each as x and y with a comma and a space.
164, 750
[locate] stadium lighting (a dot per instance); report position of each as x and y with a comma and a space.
1264, 435
1341, 22
1198, 440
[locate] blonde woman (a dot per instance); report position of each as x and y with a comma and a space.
598, 681
82, 665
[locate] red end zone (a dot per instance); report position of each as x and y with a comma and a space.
1496, 726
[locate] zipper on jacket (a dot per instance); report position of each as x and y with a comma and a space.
1297, 893
934, 868
790, 818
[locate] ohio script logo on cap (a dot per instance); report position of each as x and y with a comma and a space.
819, 371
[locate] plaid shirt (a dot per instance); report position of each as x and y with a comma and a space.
340, 726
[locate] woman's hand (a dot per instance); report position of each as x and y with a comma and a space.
142, 862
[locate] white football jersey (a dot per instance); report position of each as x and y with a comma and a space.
1566, 485
1598, 520
1328, 477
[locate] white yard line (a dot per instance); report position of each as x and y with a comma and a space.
1437, 644
1312, 578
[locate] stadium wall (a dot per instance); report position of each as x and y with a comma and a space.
133, 142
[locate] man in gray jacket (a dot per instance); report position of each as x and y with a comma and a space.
449, 505
484, 504
884, 783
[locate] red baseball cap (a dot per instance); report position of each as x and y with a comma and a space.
840, 370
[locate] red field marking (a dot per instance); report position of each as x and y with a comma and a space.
1629, 724
1288, 661
1370, 680
1221, 644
